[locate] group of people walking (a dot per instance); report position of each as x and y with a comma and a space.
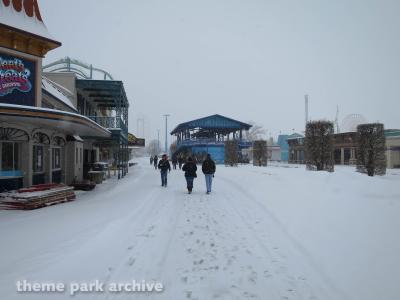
189, 167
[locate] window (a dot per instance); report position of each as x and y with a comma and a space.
37, 159
56, 156
9, 156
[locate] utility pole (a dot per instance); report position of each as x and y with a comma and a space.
306, 108
158, 141
137, 125
166, 132
337, 119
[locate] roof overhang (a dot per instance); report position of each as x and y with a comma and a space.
104, 93
213, 122
69, 123
22, 28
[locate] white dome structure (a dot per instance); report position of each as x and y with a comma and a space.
350, 122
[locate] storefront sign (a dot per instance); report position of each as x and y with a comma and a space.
17, 80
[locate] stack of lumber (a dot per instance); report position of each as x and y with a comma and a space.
36, 196
85, 185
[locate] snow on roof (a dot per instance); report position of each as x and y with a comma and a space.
44, 109
58, 91
295, 136
77, 138
25, 16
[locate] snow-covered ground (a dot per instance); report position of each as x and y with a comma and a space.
264, 233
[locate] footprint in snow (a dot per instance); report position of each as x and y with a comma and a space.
198, 262
253, 277
131, 261
267, 274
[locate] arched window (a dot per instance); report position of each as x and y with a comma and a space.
13, 134
58, 141
10, 149
41, 138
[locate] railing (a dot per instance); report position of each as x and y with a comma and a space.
111, 123
193, 142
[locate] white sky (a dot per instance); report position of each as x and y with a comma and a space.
246, 59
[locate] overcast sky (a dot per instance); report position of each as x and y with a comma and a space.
246, 59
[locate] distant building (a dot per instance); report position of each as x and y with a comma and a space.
393, 148
274, 152
207, 136
296, 150
345, 145
284, 146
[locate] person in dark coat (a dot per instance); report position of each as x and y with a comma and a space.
180, 161
155, 161
190, 169
208, 168
151, 160
174, 161
164, 167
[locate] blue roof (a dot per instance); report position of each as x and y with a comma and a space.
212, 122
392, 132
295, 136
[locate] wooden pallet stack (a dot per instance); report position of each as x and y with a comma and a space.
36, 196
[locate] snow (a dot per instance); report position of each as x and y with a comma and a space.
19, 20
57, 91
78, 138
279, 232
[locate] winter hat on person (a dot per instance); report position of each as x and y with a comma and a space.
190, 158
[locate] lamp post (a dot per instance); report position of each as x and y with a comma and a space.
138, 122
158, 141
166, 132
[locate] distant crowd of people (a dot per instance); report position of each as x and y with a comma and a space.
188, 165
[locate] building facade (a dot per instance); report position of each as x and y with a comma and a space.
43, 134
207, 136
345, 145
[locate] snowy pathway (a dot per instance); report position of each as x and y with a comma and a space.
227, 245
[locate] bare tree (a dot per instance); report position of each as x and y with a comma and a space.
172, 148
260, 153
319, 145
153, 148
371, 158
231, 153
256, 132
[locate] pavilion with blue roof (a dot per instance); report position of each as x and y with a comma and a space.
207, 136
